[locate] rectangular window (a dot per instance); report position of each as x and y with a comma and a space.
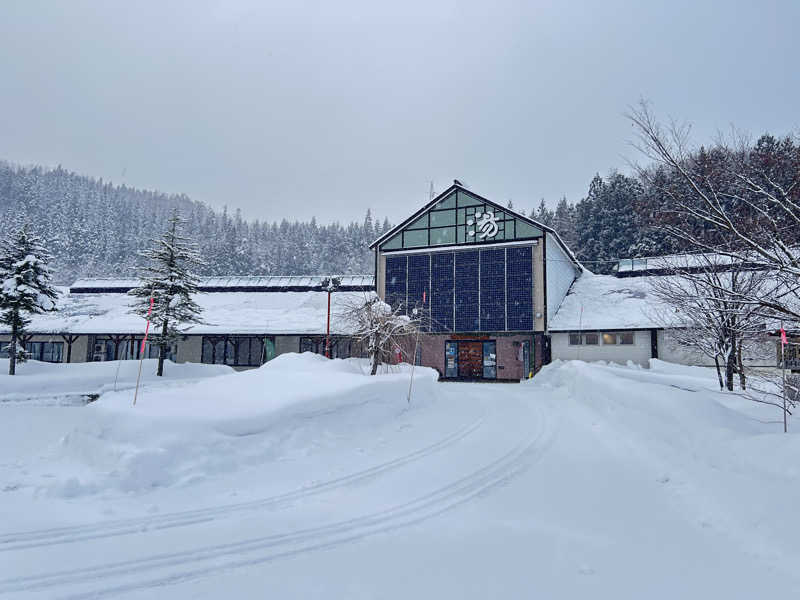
415, 238
443, 218
575, 339
45, 351
237, 351
591, 339
443, 236
609, 339
626, 339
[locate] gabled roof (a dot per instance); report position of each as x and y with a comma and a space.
457, 185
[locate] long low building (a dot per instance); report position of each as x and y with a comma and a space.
502, 295
246, 321
618, 319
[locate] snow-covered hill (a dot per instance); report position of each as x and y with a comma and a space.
307, 478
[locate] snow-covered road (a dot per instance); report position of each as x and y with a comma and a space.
591, 481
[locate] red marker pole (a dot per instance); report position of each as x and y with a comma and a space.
141, 350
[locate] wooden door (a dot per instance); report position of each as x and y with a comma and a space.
470, 360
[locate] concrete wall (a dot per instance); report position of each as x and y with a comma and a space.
560, 274
538, 287
639, 352
758, 354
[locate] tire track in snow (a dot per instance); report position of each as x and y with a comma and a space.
200, 562
67, 535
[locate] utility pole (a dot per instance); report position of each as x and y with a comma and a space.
330, 285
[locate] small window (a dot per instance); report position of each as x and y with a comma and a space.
591, 339
626, 339
575, 339
609, 339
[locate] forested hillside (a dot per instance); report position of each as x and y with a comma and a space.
95, 228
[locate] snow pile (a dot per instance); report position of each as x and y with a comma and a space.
183, 432
70, 383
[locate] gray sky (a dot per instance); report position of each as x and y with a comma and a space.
328, 108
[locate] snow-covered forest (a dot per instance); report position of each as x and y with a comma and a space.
95, 228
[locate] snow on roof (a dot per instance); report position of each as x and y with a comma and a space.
223, 312
249, 282
599, 302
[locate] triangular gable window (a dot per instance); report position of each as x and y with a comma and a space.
461, 218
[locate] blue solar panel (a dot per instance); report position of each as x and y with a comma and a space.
466, 291
493, 291
442, 280
396, 270
419, 278
519, 289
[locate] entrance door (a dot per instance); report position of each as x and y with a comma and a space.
490, 360
451, 359
470, 360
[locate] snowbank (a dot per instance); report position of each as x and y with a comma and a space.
63, 383
189, 430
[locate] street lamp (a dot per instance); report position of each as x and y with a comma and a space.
330, 285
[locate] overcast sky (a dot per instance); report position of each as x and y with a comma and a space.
327, 108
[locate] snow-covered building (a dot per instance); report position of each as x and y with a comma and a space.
619, 319
490, 279
246, 321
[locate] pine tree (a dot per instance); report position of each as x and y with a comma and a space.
170, 283
544, 215
25, 286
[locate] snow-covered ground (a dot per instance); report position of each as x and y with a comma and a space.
308, 479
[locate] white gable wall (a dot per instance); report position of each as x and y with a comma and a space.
560, 274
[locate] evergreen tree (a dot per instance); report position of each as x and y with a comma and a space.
564, 222
544, 215
25, 287
168, 283
608, 224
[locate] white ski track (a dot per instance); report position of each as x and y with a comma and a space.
113, 579
67, 535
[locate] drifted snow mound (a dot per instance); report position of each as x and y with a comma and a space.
41, 382
185, 432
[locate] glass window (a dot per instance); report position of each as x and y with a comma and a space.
415, 238
443, 236
4, 348
442, 218
575, 339
448, 202
526, 230
591, 339
626, 338
420, 223
394, 243
465, 199
609, 339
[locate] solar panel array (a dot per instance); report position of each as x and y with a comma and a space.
473, 290
442, 279
519, 288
